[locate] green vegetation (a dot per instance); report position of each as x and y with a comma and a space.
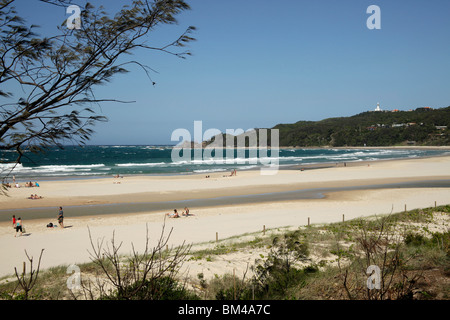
371, 129
423, 126
330, 261
165, 288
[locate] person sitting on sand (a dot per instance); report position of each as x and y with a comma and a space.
174, 214
34, 197
186, 211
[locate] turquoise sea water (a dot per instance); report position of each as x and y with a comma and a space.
97, 161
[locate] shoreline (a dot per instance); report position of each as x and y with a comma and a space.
373, 147
307, 166
312, 165
71, 244
216, 186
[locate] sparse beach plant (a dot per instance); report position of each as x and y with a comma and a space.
27, 282
280, 270
152, 274
380, 248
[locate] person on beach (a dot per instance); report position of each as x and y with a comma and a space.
174, 214
34, 196
19, 227
61, 217
186, 211
14, 221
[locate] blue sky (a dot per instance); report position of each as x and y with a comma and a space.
257, 63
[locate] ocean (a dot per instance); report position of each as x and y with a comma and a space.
108, 160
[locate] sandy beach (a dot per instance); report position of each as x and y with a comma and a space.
71, 245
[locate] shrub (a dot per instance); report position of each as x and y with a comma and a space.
165, 288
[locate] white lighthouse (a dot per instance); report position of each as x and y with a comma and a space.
378, 107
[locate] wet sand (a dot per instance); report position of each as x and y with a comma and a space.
42, 213
227, 205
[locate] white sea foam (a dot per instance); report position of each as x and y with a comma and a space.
19, 168
163, 163
150, 164
211, 170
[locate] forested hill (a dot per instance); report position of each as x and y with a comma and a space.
423, 126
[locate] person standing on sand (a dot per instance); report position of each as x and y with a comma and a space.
18, 227
14, 221
61, 217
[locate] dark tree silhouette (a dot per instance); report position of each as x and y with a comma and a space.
57, 75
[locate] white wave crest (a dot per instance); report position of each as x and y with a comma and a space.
151, 164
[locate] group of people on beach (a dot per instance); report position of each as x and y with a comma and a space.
176, 215
34, 197
27, 185
31, 185
18, 223
232, 174
17, 185
117, 176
